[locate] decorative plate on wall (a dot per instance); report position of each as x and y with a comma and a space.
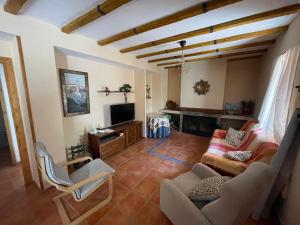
201, 87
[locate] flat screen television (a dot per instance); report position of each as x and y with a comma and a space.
120, 113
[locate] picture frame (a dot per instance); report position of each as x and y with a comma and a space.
75, 92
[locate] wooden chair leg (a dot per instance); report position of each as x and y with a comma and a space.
61, 210
63, 214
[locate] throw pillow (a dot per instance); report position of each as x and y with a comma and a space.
208, 189
234, 137
241, 156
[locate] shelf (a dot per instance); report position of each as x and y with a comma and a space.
109, 92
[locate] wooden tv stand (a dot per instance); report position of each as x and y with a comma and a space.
104, 145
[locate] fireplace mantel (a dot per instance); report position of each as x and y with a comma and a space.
222, 119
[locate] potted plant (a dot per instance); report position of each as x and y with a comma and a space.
126, 88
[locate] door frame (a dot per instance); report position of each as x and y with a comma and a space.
17, 117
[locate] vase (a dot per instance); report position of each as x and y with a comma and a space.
125, 96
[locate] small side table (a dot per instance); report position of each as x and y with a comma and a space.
158, 125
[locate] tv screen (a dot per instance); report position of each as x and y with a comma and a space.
121, 113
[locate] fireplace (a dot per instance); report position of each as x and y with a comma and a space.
201, 125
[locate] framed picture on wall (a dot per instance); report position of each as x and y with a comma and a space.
75, 92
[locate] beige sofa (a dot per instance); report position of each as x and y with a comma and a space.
238, 198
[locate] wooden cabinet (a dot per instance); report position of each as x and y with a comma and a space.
104, 145
131, 135
134, 133
112, 147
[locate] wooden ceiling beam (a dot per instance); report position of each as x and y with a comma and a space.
262, 33
169, 19
171, 67
229, 60
95, 13
230, 24
249, 45
261, 51
244, 58
14, 6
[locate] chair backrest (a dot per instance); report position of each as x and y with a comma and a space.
263, 149
249, 138
55, 174
248, 125
239, 196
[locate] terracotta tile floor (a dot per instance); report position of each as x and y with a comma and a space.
135, 201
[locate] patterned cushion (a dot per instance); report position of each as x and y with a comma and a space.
88, 170
208, 189
241, 156
234, 137
55, 173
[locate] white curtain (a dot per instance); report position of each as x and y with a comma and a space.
273, 116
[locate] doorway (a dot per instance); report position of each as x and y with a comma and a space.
7, 156
17, 161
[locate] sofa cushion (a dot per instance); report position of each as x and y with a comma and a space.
185, 182
241, 156
234, 137
249, 125
89, 170
218, 161
208, 189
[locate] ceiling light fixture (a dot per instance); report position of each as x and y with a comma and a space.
182, 65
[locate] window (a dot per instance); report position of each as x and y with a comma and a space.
275, 109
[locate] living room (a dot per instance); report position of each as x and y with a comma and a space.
150, 91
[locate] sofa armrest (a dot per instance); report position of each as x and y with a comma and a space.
178, 207
218, 133
204, 171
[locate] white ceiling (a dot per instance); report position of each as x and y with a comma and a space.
137, 12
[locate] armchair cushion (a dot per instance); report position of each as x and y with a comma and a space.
187, 181
204, 171
218, 133
57, 174
88, 170
250, 124
208, 189
178, 207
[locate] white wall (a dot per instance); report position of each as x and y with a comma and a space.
140, 97
156, 92
290, 210
99, 76
155, 103
213, 71
5, 47
39, 40
149, 100
174, 85
241, 80
164, 87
